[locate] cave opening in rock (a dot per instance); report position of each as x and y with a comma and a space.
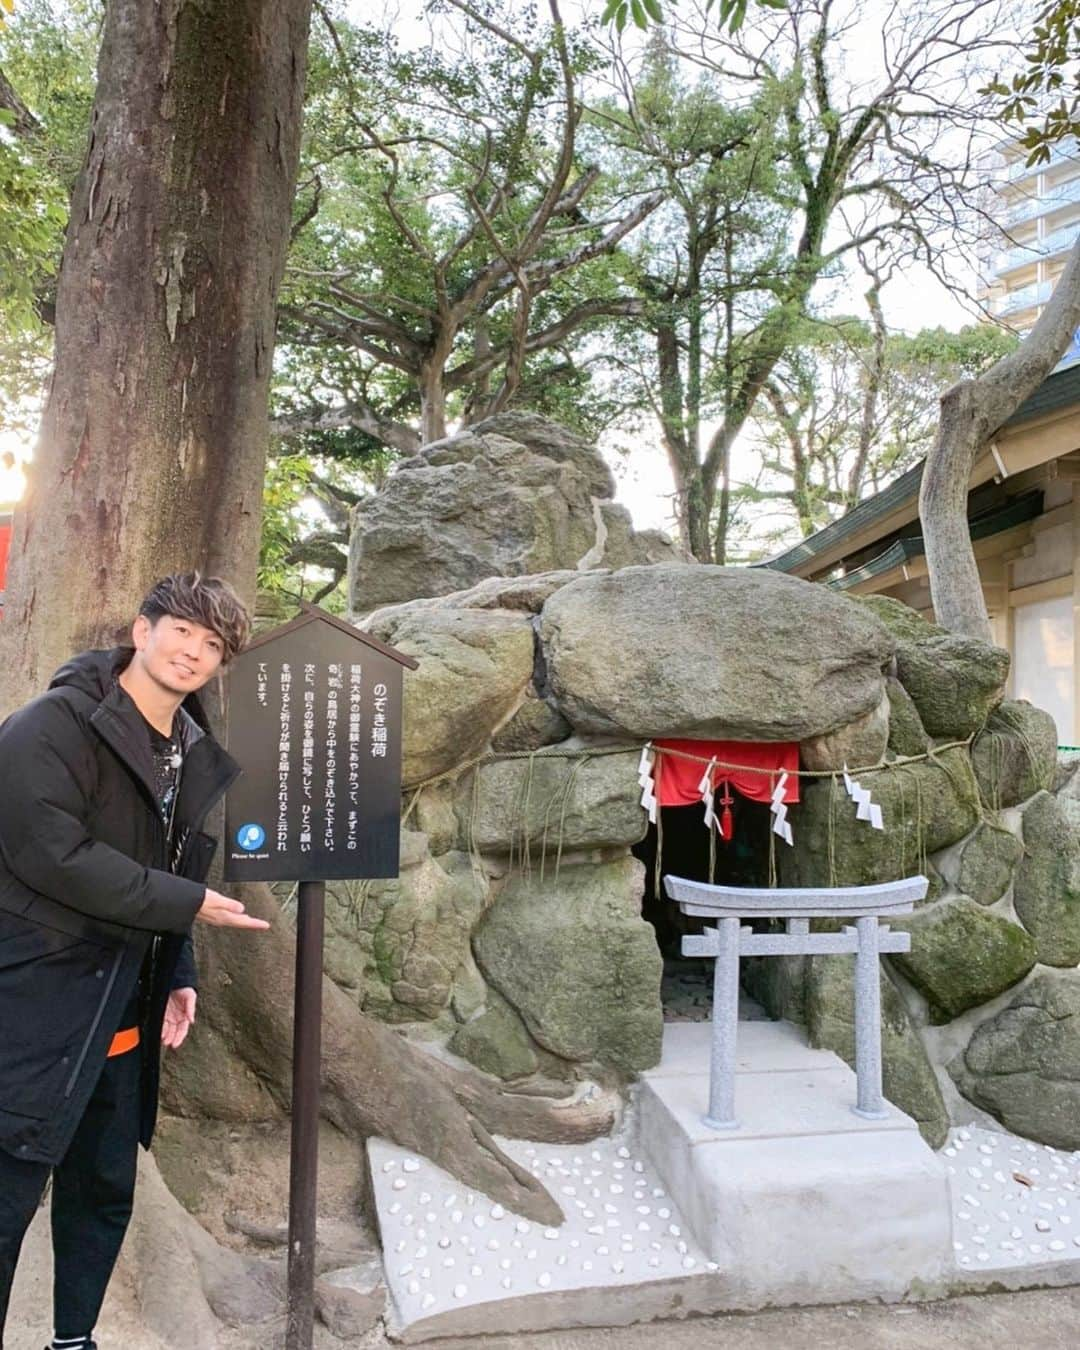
741, 861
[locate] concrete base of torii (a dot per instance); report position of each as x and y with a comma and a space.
804, 1201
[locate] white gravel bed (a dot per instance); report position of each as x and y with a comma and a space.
1015, 1204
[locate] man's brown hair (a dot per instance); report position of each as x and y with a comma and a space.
205, 600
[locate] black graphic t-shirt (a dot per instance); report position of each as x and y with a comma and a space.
166, 753
167, 756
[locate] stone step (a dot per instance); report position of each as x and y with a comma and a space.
803, 1202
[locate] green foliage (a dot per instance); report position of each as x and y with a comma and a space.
730, 14
844, 416
47, 57
1043, 100
428, 169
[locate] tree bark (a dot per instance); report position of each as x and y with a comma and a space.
971, 414
152, 452
153, 440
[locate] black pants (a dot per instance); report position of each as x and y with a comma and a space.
91, 1200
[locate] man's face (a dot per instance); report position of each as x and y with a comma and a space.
179, 655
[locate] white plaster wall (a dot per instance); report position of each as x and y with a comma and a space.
1043, 660
1053, 557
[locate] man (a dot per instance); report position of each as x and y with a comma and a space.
105, 783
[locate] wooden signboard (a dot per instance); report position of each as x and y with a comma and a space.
314, 721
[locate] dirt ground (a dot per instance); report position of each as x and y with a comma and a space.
1040, 1320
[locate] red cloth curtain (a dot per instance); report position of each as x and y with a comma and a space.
761, 764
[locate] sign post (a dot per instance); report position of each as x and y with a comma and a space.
314, 720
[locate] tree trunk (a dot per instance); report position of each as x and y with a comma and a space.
432, 401
971, 414
153, 443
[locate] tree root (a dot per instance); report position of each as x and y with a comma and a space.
374, 1081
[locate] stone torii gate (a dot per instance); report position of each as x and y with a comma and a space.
729, 941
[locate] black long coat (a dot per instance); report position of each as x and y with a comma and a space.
86, 894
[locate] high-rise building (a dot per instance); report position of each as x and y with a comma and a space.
1040, 209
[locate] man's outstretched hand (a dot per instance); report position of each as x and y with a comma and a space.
179, 1018
225, 913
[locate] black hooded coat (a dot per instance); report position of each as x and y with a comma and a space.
87, 895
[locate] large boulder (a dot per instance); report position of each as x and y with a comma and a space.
552, 803
496, 1041
718, 652
907, 735
510, 496
535, 724
855, 746
962, 956
988, 862
1046, 892
1023, 1065
1015, 755
954, 682
907, 1076
926, 806
903, 622
475, 666
579, 963
399, 946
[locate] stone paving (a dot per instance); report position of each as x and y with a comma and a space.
448, 1250
1016, 1208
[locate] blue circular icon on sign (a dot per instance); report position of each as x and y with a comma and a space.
250, 837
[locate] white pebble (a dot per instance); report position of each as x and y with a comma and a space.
413, 1286
1057, 1245
624, 1153
456, 1216
551, 1234
399, 1183
429, 1299
505, 1263
478, 1220
460, 1290
410, 1165
425, 1198
492, 1245
521, 1226
543, 1279
663, 1213
389, 1166
497, 1212
689, 1263
507, 1282
617, 1267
